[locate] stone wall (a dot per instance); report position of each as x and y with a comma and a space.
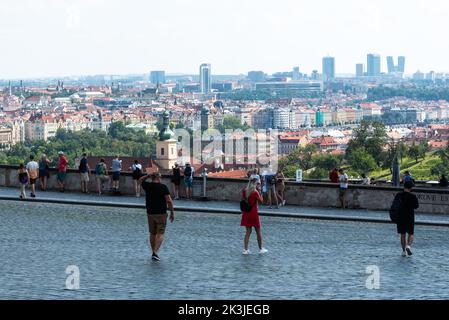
312, 194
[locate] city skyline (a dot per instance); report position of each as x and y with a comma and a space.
64, 38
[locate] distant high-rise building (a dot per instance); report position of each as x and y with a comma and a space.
315, 75
401, 64
373, 65
205, 78
328, 68
296, 75
390, 65
359, 70
157, 77
398, 69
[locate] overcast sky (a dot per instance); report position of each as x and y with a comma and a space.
76, 37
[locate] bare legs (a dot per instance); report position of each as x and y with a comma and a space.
248, 235
176, 190
43, 181
137, 187
22, 191
406, 241
156, 242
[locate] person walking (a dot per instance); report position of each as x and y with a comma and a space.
84, 171
22, 175
344, 180
101, 172
116, 169
176, 180
280, 187
33, 174
408, 203
250, 219
188, 180
62, 170
136, 170
44, 171
157, 198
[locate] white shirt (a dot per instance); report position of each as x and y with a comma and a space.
33, 169
136, 166
344, 181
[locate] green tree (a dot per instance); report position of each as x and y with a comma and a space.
361, 161
414, 152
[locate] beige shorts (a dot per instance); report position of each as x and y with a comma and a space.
84, 177
157, 223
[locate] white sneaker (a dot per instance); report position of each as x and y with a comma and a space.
283, 203
409, 250
246, 252
263, 250
404, 254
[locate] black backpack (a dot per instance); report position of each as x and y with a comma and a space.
188, 171
245, 206
396, 207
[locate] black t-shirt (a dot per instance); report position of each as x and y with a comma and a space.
155, 197
83, 165
409, 204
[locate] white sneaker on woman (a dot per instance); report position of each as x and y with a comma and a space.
263, 250
246, 252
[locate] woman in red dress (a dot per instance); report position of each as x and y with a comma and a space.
251, 219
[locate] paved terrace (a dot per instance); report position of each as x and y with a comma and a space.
227, 207
202, 259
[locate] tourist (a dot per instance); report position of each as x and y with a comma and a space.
254, 174
33, 174
343, 178
443, 181
23, 176
406, 218
408, 178
176, 180
250, 219
101, 172
116, 169
280, 187
136, 170
62, 170
84, 171
157, 200
270, 182
365, 180
188, 180
373, 182
44, 171
333, 175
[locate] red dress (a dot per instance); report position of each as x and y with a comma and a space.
251, 218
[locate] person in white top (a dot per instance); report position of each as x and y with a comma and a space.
137, 173
343, 187
33, 172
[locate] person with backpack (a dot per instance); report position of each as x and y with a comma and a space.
101, 172
408, 178
250, 214
136, 170
44, 171
188, 180
402, 213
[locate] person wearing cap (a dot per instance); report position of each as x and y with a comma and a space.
158, 200
62, 170
406, 218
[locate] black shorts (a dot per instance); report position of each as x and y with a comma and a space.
407, 227
115, 176
33, 181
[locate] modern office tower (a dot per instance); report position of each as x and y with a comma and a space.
328, 69
296, 75
205, 78
401, 64
256, 76
359, 70
373, 65
390, 65
157, 77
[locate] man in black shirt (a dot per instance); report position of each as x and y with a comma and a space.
157, 200
406, 219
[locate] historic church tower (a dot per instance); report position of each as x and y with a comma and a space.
166, 147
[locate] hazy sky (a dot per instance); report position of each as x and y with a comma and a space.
75, 37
